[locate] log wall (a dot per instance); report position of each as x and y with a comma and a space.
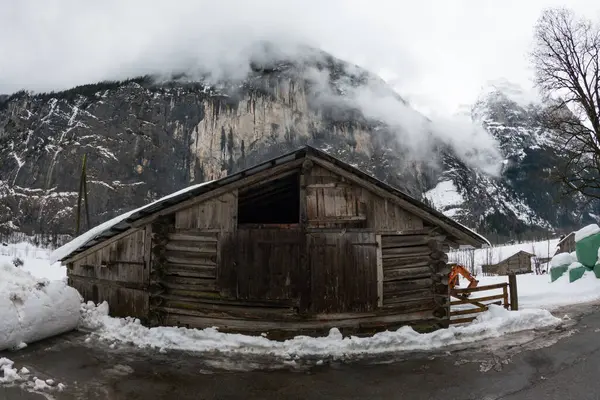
414, 276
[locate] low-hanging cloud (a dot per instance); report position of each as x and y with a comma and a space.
58, 44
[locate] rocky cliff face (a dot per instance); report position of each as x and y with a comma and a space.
146, 139
525, 198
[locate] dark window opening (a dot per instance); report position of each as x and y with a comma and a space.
275, 202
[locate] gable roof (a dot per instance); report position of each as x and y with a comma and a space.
124, 221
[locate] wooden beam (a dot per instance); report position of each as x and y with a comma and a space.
514, 296
403, 203
379, 272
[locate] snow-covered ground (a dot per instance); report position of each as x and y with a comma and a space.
536, 291
496, 322
40, 282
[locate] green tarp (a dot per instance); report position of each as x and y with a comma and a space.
557, 272
576, 273
587, 250
597, 270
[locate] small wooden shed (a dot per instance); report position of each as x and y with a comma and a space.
518, 263
566, 244
298, 244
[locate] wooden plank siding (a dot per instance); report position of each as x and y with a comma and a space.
116, 273
519, 263
334, 202
343, 271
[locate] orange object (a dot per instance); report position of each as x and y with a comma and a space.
460, 270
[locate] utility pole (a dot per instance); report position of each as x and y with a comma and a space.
82, 195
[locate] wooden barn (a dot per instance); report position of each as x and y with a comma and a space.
566, 244
518, 263
298, 244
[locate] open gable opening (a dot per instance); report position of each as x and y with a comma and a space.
275, 202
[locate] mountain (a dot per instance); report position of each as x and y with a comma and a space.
147, 137
525, 199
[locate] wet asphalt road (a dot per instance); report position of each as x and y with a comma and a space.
557, 364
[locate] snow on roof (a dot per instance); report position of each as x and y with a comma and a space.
93, 233
586, 231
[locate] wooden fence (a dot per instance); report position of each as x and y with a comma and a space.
463, 297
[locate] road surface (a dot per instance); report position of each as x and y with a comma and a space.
555, 364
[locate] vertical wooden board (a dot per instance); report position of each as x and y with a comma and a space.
379, 272
229, 249
147, 252
321, 204
312, 211
217, 213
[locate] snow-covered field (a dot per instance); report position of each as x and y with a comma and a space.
536, 291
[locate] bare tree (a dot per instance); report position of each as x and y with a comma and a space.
565, 59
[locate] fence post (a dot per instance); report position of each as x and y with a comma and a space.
514, 296
505, 294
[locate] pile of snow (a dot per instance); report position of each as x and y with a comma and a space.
493, 323
12, 376
562, 259
32, 309
586, 231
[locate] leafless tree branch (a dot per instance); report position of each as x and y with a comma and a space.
567, 71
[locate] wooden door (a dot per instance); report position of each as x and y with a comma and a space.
262, 264
343, 272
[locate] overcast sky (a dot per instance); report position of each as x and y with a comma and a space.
436, 53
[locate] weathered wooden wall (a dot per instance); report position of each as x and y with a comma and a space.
343, 272
117, 272
519, 263
334, 202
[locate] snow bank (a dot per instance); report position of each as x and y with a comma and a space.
575, 265
562, 259
81, 240
33, 309
586, 231
493, 323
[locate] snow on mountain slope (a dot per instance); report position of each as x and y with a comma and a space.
525, 197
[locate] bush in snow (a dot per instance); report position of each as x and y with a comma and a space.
17, 262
